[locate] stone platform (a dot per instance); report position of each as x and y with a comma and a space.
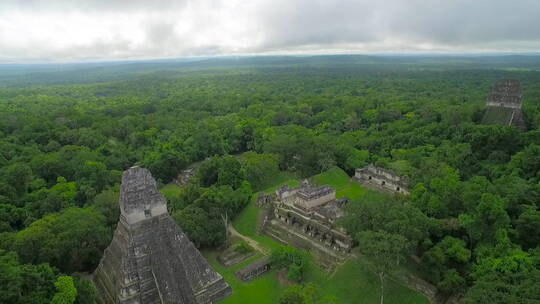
323, 254
230, 257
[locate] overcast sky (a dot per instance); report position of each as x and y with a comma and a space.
81, 30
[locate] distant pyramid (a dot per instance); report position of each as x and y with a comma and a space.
504, 105
150, 259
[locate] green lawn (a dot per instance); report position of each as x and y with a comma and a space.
334, 177
248, 221
280, 180
344, 185
265, 290
171, 190
354, 283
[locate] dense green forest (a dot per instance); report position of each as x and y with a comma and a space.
68, 131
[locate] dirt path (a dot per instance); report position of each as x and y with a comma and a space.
248, 240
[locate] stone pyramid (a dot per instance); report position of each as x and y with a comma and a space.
150, 259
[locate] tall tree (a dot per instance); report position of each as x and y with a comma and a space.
510, 278
384, 250
528, 228
230, 172
487, 218
25, 283
66, 291
72, 240
261, 169
18, 175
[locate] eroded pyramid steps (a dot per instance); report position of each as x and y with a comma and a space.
150, 259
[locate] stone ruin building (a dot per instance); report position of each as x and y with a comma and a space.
254, 270
305, 217
382, 179
504, 104
185, 176
150, 259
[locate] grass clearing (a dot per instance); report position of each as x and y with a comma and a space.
264, 290
334, 177
354, 283
171, 190
340, 180
280, 180
248, 221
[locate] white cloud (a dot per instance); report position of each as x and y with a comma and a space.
67, 30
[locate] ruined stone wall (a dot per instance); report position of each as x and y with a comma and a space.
254, 270
393, 184
288, 195
309, 204
512, 104
517, 120
324, 256
313, 229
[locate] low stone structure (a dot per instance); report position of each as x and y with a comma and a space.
305, 217
254, 270
231, 256
504, 104
150, 259
382, 179
185, 176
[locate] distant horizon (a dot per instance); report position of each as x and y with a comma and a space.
232, 56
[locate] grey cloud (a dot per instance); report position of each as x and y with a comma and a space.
97, 50
266, 26
462, 21
92, 5
296, 23
160, 32
452, 22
